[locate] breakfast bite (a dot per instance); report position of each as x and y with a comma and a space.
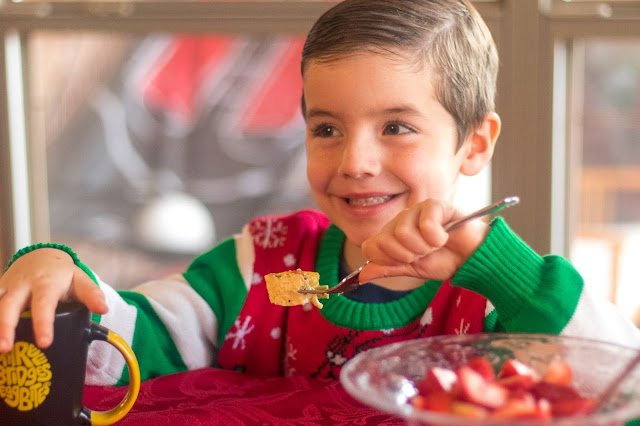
283, 288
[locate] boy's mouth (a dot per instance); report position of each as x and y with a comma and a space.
368, 201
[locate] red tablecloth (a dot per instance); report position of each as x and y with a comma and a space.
219, 397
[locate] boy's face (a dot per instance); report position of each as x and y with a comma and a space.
377, 141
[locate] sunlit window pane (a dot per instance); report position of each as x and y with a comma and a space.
160, 146
607, 240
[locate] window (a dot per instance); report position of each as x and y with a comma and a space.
605, 155
169, 144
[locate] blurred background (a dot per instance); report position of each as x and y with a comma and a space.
173, 146
146, 143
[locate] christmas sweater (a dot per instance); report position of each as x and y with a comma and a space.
275, 340
217, 312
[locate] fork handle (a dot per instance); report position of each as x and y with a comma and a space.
490, 209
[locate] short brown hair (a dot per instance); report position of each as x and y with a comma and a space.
448, 36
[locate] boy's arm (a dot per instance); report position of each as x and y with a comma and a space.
532, 294
163, 321
172, 324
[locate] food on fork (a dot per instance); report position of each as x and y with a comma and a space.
283, 288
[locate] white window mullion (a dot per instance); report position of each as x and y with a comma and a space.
17, 130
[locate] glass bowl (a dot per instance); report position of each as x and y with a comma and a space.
386, 377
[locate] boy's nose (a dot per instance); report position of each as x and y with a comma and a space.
360, 158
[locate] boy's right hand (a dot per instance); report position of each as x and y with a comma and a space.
415, 243
39, 280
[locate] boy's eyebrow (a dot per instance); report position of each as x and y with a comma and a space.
401, 109
314, 112
407, 108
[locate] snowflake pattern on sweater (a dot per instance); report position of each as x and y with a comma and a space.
274, 340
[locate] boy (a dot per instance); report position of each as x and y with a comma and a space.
398, 100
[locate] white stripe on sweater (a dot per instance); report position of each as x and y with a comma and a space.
245, 255
187, 317
104, 362
601, 320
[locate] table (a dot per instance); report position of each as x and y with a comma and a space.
219, 397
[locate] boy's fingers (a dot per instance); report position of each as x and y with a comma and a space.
88, 293
92, 297
405, 232
43, 310
373, 271
44, 301
11, 305
395, 251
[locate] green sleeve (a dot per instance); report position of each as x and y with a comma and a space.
215, 275
154, 348
530, 293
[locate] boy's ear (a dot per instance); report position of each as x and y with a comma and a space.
477, 149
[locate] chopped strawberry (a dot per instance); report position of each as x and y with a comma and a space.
474, 388
544, 409
517, 408
434, 401
466, 409
418, 402
553, 392
569, 407
524, 406
558, 372
516, 392
513, 367
517, 382
482, 366
437, 379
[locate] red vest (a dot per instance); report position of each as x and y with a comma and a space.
275, 340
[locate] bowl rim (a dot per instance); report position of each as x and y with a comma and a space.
406, 411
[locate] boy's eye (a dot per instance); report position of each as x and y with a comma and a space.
396, 129
324, 131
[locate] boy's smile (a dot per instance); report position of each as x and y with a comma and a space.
378, 141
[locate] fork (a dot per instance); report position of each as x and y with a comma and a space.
352, 281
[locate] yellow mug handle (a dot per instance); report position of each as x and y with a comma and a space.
101, 418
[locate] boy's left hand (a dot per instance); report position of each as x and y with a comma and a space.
415, 243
